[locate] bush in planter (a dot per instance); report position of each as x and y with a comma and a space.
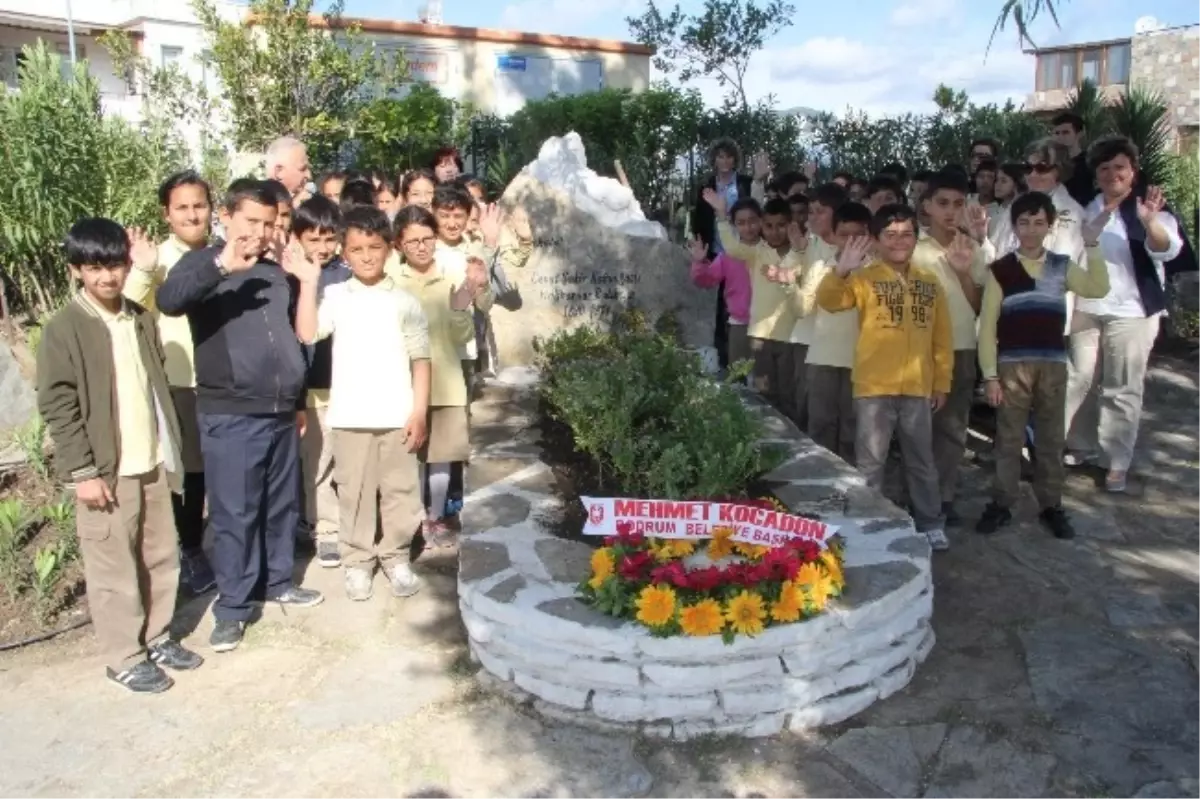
655, 425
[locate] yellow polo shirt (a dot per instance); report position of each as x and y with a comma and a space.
136, 417
175, 331
931, 256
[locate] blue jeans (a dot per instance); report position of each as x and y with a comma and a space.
252, 472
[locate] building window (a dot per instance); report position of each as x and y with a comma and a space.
1118, 64
170, 56
1067, 75
1090, 65
1047, 72
64, 53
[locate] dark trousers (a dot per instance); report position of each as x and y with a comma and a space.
189, 512
720, 333
251, 465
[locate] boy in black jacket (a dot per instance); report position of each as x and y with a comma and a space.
250, 372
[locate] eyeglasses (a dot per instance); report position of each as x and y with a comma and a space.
424, 244
1041, 169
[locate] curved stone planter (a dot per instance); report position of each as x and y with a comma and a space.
534, 640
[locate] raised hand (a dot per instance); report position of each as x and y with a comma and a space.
853, 255
778, 274
716, 200
1093, 229
761, 164
1151, 204
518, 220
299, 265
960, 253
142, 252
698, 249
797, 237
477, 275
238, 255
977, 221
489, 223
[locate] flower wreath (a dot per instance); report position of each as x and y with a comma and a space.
645, 579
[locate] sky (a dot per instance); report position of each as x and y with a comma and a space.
881, 56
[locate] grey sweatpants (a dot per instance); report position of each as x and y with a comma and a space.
910, 419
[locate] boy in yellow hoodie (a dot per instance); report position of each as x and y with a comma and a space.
773, 306
902, 360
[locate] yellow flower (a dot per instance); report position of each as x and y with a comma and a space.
834, 566
656, 605
790, 604
602, 567
751, 551
809, 573
702, 618
746, 613
721, 545
681, 547
661, 550
820, 591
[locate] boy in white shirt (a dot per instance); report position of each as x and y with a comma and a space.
378, 400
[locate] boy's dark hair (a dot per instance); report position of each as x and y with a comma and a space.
922, 175
188, 177
787, 180
446, 152
415, 175
357, 193
798, 199
279, 192
852, 212
897, 171
1068, 118
988, 165
947, 180
247, 190
830, 195
727, 146
96, 241
988, 142
1030, 203
777, 207
881, 183
845, 176
953, 169
889, 215
316, 213
469, 182
413, 215
451, 196
367, 219
745, 204
1106, 149
1017, 173
857, 182
325, 177
389, 184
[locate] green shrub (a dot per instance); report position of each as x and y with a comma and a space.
641, 407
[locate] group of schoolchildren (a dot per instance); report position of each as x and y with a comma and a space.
870, 312
307, 372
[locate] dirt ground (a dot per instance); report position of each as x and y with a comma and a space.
1061, 668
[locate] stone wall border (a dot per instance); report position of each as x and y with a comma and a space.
541, 647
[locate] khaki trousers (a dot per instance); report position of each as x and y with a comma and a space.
910, 420
131, 564
1038, 388
951, 422
831, 420
371, 464
1109, 358
316, 461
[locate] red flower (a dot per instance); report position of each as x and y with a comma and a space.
624, 528
758, 573
672, 573
634, 567
610, 540
705, 579
807, 550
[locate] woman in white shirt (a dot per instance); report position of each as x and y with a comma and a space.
1111, 337
1010, 184
1050, 165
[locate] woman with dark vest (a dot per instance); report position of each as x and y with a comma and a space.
1023, 354
1111, 337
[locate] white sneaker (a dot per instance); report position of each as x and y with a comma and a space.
1076, 459
404, 582
359, 586
937, 539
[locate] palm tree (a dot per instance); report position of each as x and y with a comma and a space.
1087, 102
1141, 115
1022, 13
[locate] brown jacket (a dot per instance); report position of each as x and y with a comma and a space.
77, 394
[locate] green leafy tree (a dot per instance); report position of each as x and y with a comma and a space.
1022, 13
61, 159
281, 74
1142, 116
716, 43
402, 133
1087, 102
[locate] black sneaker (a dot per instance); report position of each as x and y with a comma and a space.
226, 635
328, 555
950, 515
298, 597
195, 572
994, 517
170, 653
1056, 519
144, 678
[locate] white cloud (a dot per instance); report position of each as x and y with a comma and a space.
911, 13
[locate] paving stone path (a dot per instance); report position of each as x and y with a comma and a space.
1060, 669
